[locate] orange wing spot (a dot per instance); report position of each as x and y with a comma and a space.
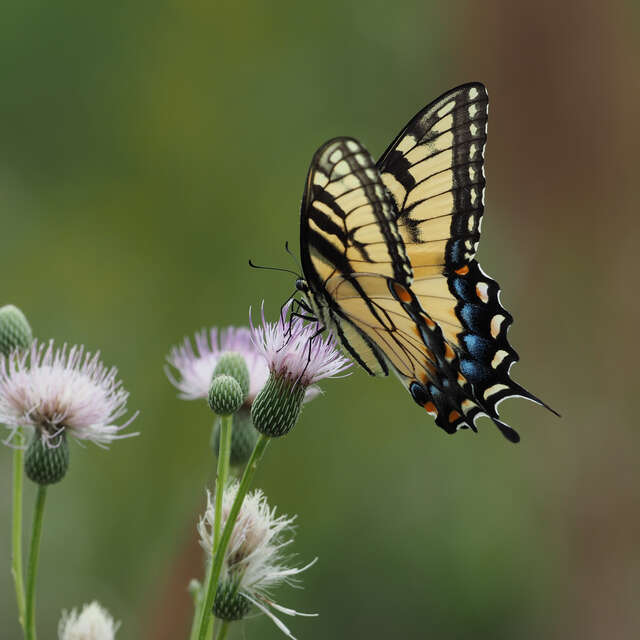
401, 292
416, 330
461, 380
423, 377
431, 408
429, 322
454, 415
448, 353
462, 271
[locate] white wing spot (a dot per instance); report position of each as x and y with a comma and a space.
473, 110
474, 129
482, 291
473, 93
342, 168
352, 145
336, 156
471, 223
361, 159
442, 112
472, 150
370, 173
496, 323
474, 197
496, 388
320, 179
472, 173
501, 354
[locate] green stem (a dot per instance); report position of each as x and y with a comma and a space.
32, 569
223, 471
222, 632
197, 605
16, 537
216, 565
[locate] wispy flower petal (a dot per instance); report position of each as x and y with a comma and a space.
62, 389
296, 350
92, 623
254, 559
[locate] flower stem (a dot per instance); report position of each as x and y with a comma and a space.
222, 632
16, 537
222, 473
224, 452
32, 569
196, 594
218, 556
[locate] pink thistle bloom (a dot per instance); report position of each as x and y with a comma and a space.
296, 351
58, 390
195, 367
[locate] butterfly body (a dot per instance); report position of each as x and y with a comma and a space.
388, 255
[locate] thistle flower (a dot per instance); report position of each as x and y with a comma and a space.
61, 391
254, 562
92, 623
297, 356
195, 367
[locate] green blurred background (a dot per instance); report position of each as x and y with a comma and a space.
148, 149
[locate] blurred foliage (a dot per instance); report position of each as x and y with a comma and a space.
149, 149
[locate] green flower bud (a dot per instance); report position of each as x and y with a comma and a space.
228, 604
46, 465
233, 364
15, 331
277, 407
225, 395
243, 437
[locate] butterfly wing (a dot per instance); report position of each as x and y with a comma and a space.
359, 275
434, 171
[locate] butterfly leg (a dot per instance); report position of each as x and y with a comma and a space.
309, 346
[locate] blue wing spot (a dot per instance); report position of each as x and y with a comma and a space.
474, 372
419, 393
478, 347
464, 289
474, 317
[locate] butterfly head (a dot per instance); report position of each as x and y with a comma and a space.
301, 285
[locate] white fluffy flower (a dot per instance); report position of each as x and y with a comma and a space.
61, 389
254, 560
92, 623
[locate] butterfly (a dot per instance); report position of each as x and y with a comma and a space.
388, 256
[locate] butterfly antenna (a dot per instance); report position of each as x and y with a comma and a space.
288, 250
258, 266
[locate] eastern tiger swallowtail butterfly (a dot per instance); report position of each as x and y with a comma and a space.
387, 252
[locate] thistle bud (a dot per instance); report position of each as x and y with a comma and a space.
234, 365
276, 408
243, 437
15, 332
46, 463
229, 604
225, 395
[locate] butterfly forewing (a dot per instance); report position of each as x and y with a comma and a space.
434, 170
